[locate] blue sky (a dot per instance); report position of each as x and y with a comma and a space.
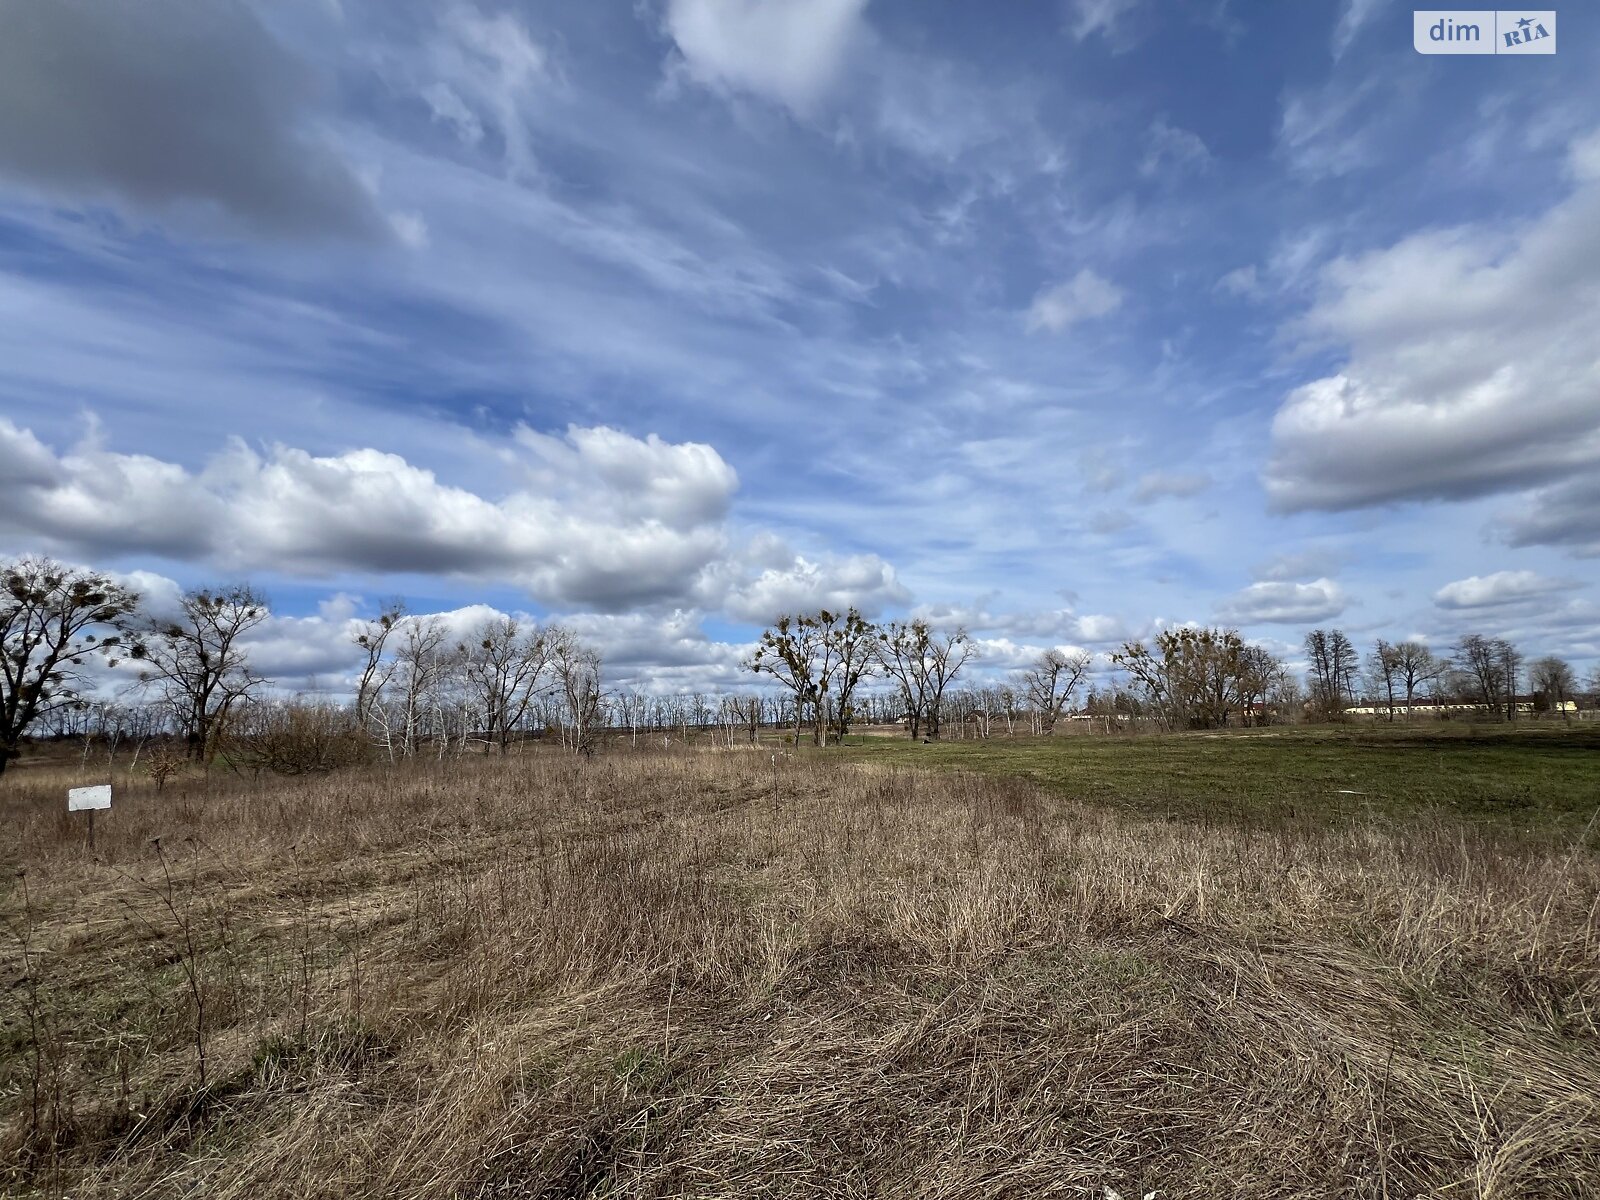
1062, 321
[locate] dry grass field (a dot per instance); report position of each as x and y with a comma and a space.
714, 974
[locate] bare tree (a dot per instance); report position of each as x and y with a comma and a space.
922, 663
1490, 668
901, 653
1334, 663
1510, 659
850, 641
503, 665
48, 617
1198, 676
788, 652
821, 658
1416, 666
1383, 672
1554, 682
199, 664
1049, 683
421, 659
577, 670
373, 637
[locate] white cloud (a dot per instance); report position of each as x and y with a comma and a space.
1083, 297
1089, 17
1241, 281
1502, 587
609, 520
602, 520
790, 52
1307, 563
1583, 157
682, 484
805, 585
1169, 148
448, 107
1352, 20
1328, 130
1156, 485
1473, 368
663, 653
1060, 627
999, 655
486, 69
1285, 603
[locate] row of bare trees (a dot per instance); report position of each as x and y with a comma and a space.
422, 688
419, 687
1206, 678
58, 622
822, 659
1482, 673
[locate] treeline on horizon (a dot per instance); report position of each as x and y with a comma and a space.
422, 689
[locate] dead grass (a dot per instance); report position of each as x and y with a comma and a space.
707, 974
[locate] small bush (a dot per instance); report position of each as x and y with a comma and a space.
300, 738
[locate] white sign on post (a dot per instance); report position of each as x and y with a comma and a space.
89, 798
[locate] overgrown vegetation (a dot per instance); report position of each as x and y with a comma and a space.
735, 973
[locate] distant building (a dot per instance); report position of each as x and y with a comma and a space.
1400, 707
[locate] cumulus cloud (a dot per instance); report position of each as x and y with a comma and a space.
790, 53
682, 484
608, 520
1156, 485
1272, 602
172, 105
1502, 587
1061, 627
805, 585
1082, 298
1473, 368
999, 655
600, 520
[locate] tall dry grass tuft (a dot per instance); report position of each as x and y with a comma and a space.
716, 974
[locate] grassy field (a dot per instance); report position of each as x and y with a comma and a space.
730, 974
1544, 776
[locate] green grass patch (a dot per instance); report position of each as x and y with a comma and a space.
1542, 778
